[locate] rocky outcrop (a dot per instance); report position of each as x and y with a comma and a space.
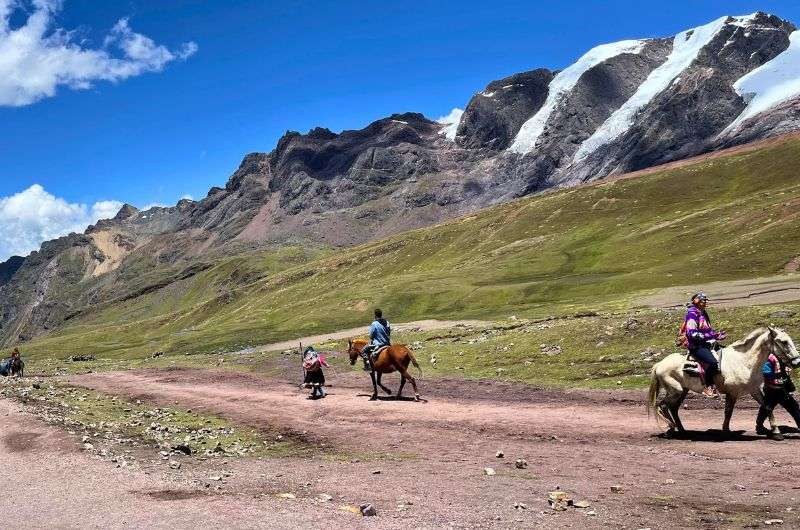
494, 116
9, 268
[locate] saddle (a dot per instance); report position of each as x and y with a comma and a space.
374, 353
697, 368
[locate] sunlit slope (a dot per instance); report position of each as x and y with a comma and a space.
588, 248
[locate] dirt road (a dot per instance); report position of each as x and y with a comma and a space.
419, 464
755, 291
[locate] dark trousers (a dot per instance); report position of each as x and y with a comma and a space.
774, 396
704, 355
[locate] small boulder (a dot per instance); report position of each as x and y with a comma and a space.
368, 510
520, 463
616, 489
489, 472
558, 500
499, 454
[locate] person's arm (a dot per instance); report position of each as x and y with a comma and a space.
373, 330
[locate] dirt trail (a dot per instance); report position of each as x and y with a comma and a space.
581, 441
755, 291
418, 325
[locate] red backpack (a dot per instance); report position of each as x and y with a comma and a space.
682, 340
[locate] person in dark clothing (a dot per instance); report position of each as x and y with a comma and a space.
701, 338
778, 388
313, 362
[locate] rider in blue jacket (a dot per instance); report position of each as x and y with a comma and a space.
379, 336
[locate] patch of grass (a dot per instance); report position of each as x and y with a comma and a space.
105, 417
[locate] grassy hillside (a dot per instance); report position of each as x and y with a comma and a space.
597, 247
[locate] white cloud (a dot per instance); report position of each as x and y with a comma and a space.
33, 216
37, 57
450, 123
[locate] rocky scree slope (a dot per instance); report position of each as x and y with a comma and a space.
620, 107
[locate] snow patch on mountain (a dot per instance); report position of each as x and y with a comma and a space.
685, 48
562, 84
770, 84
450, 123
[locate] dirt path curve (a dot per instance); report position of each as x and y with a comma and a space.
417, 325
581, 441
755, 291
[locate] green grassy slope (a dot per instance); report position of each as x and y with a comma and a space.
591, 248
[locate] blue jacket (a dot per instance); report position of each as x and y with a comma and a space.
379, 332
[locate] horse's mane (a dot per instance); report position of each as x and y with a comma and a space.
359, 341
747, 343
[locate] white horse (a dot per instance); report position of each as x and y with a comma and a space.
740, 374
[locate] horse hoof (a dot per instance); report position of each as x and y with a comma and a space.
374, 398
416, 397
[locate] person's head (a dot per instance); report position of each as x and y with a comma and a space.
15, 352
378, 314
700, 300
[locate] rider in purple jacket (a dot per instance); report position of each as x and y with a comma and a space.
701, 338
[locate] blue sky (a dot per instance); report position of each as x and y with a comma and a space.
264, 67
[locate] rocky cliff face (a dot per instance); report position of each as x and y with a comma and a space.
621, 107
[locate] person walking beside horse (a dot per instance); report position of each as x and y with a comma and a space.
778, 388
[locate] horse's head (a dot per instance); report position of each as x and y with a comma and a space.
354, 348
783, 346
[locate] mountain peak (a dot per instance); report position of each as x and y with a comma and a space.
126, 212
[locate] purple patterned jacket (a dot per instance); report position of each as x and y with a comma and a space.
698, 328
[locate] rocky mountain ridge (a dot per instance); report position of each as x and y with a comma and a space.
621, 107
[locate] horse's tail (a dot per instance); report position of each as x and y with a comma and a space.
414, 361
652, 394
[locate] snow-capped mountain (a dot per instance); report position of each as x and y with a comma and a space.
620, 107
632, 104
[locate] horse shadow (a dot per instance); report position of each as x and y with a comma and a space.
393, 398
720, 436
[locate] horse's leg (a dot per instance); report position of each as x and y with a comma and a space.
402, 384
405, 375
675, 410
374, 386
730, 402
380, 374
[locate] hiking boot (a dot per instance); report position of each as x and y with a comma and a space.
710, 392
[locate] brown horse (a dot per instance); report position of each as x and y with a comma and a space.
396, 357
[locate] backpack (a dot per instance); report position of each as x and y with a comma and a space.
311, 361
682, 339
